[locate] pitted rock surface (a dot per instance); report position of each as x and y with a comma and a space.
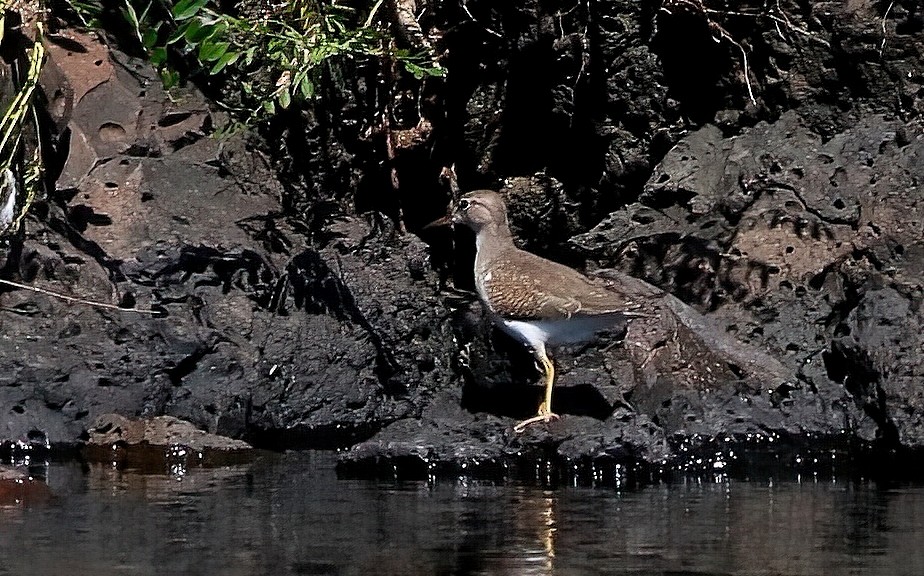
780, 234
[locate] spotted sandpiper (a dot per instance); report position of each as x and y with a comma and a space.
536, 301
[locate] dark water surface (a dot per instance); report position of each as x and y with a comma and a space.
291, 515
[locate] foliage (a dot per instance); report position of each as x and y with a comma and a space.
278, 55
20, 160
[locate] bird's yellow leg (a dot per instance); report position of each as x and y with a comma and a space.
545, 409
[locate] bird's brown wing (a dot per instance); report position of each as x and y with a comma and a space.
523, 285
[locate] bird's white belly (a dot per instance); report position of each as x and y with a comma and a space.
574, 330
532, 333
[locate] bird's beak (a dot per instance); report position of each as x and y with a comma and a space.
444, 221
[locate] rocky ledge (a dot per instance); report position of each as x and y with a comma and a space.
785, 247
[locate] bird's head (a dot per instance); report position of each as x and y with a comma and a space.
478, 210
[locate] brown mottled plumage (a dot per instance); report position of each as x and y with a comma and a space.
514, 291
535, 300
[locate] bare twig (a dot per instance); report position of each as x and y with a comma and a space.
585, 47
723, 33
469, 12
780, 20
371, 18
79, 300
884, 31
774, 13
720, 33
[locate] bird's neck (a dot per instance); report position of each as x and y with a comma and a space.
492, 240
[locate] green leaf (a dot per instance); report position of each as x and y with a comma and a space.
306, 87
132, 18
180, 32
130, 15
149, 38
192, 26
198, 32
186, 9
158, 55
269, 106
226, 60
421, 72
212, 51
221, 25
414, 69
284, 99
170, 78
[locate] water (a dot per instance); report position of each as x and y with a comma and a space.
291, 515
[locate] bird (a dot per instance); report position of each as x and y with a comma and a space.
539, 302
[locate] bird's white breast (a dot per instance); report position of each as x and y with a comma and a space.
480, 281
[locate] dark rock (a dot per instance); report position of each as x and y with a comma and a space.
778, 247
784, 227
449, 440
253, 333
877, 363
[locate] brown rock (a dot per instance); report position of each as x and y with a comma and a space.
113, 429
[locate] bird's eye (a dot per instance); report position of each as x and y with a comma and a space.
464, 204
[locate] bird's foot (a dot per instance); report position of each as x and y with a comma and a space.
545, 415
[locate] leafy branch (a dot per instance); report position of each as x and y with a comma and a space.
278, 55
21, 167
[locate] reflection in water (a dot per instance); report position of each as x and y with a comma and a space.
548, 532
21, 487
529, 545
290, 515
538, 516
